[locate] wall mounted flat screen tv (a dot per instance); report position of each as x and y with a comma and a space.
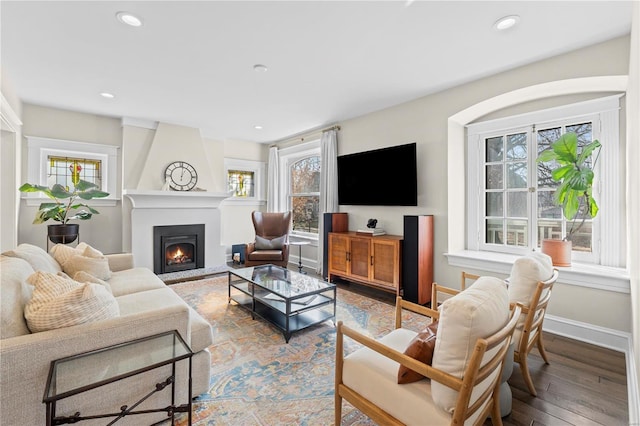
382, 177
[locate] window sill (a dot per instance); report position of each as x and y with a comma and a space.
246, 201
579, 274
36, 201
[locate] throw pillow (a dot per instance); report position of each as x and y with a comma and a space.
525, 274
91, 261
479, 311
267, 244
85, 277
420, 348
58, 302
36, 256
63, 252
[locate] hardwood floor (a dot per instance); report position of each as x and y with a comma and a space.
583, 385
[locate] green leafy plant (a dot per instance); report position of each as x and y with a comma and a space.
574, 172
65, 207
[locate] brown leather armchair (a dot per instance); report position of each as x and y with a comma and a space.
272, 239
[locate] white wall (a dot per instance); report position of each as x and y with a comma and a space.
237, 227
633, 197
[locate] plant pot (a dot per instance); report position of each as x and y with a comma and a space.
63, 234
558, 250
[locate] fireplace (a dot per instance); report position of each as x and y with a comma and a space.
178, 248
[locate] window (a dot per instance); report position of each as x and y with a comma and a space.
245, 180
241, 183
513, 209
299, 171
305, 194
53, 161
66, 170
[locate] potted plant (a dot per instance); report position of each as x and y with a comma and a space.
65, 208
574, 172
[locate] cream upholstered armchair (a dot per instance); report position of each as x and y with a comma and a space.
471, 341
530, 283
272, 239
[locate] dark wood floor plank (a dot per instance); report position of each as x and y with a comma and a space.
542, 374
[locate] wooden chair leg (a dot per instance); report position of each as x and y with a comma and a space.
338, 409
524, 367
496, 420
541, 349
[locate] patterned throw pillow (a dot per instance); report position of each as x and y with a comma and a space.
60, 302
63, 252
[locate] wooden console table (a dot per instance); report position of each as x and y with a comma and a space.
370, 260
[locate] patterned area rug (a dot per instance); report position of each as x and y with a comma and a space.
258, 379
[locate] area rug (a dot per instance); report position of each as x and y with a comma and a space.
258, 379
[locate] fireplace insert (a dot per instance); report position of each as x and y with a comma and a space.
178, 248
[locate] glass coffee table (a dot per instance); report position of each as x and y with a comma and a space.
287, 299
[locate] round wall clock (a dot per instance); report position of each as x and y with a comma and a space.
181, 176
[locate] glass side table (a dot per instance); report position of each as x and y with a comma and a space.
80, 373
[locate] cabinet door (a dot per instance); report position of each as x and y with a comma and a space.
338, 252
385, 269
360, 257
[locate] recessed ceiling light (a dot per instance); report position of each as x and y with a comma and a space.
107, 95
260, 68
506, 22
129, 19
257, 127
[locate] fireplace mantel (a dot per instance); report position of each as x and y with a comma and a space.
153, 199
151, 208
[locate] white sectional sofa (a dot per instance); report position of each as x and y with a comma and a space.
146, 307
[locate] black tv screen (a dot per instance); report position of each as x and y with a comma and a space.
382, 177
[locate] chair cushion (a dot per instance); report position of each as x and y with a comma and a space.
270, 244
375, 377
60, 302
134, 280
14, 295
37, 258
265, 255
421, 348
525, 274
477, 312
85, 277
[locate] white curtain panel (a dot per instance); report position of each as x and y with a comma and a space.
273, 194
328, 184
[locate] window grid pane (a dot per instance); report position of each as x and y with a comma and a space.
546, 208
241, 183
66, 170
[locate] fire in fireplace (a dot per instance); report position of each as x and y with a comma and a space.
178, 248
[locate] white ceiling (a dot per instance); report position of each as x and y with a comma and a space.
191, 63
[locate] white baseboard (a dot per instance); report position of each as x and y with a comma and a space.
608, 338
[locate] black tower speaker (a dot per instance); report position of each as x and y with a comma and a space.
417, 259
332, 222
